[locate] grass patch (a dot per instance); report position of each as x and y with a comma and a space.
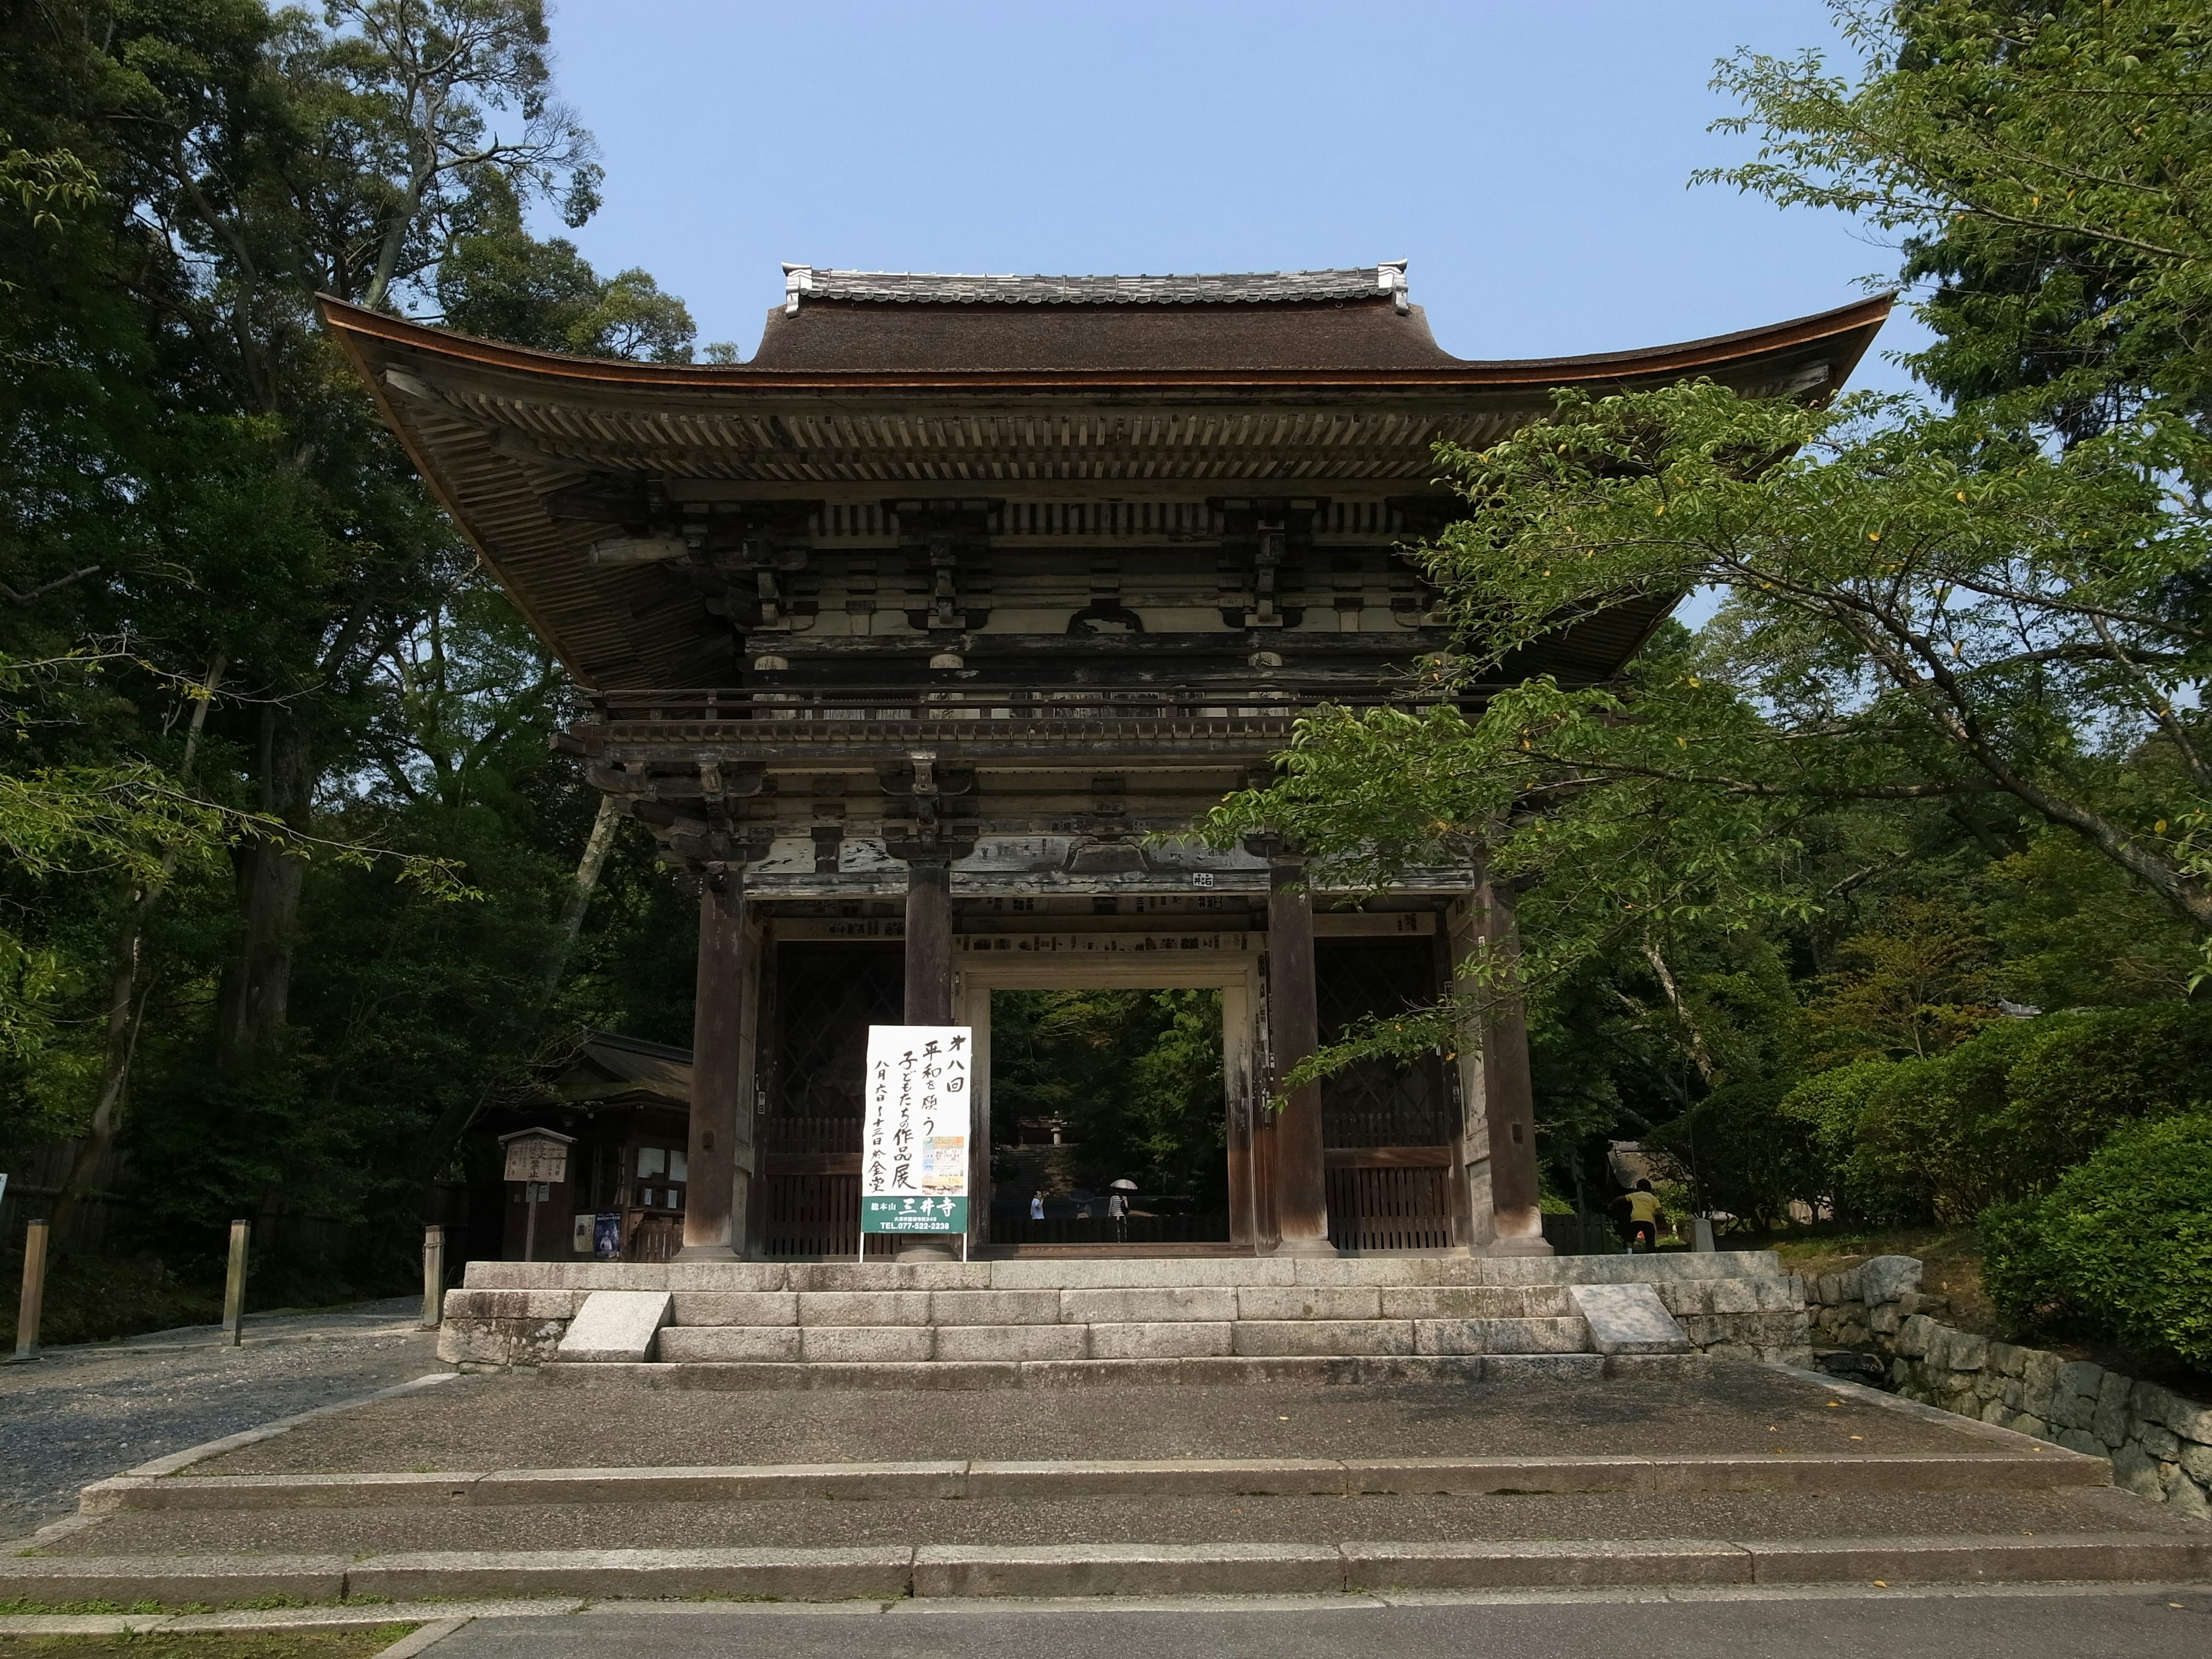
356, 1642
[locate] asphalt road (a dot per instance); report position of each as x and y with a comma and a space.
2136, 1623
80, 1414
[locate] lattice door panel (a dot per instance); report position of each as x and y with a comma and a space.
1380, 1102
812, 1215
827, 996
1388, 1209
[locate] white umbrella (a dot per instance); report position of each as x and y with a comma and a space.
1128, 1186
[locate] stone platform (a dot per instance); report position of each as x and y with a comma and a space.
1056, 1322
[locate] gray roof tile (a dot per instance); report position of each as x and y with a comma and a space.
1359, 282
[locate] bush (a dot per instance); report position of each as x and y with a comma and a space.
2004, 1115
2121, 1249
1746, 1157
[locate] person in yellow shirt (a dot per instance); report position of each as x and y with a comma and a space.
1646, 1217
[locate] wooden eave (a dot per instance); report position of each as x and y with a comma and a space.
494, 427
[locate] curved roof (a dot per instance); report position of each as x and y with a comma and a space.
859, 402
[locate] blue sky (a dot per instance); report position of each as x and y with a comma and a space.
1529, 157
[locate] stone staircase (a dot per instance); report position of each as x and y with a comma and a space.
1033, 1321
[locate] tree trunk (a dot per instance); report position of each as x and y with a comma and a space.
596, 847
122, 997
257, 985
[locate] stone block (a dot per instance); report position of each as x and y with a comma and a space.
751, 1276
1263, 1337
1377, 1272
2198, 1461
2109, 1422
1883, 1320
2005, 1358
1058, 1570
2156, 1438
1012, 1342
1734, 1296
1886, 1278
1913, 1336
2124, 1556
994, 1307
615, 1327
2026, 1423
1139, 1274
1309, 1302
1506, 1563
2136, 1471
2081, 1376
467, 1304
1477, 1302
1851, 1285
1151, 1306
735, 1308
2082, 1440
865, 1344
213, 1580
729, 1344
854, 1276
795, 1574
1628, 1319
1158, 1478
849, 1307
1184, 1341
2188, 1495
1502, 1336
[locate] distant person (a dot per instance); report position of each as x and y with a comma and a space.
1117, 1212
1083, 1206
1037, 1207
1646, 1217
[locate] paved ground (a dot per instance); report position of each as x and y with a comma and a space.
492, 1422
812, 1523
2136, 1623
83, 1413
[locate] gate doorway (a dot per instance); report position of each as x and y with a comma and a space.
1110, 1117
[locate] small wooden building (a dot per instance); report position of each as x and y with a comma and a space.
909, 637
624, 1107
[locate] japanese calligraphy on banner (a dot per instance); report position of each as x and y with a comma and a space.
913, 1140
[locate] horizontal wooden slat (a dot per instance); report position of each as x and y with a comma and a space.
1386, 1157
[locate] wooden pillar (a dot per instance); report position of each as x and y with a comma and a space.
709, 1221
1301, 1192
1509, 1099
928, 939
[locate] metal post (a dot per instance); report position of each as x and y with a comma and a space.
433, 1277
233, 1284
529, 1221
34, 1291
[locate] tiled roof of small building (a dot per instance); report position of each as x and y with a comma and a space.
1386, 281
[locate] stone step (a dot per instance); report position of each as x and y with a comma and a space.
1531, 1369
1123, 1477
1146, 1274
1161, 1339
893, 1572
1178, 1305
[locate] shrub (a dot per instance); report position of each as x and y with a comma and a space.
1827, 1108
1748, 1157
2086, 1074
1933, 1140
2120, 1249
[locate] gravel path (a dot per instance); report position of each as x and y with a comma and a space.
80, 1414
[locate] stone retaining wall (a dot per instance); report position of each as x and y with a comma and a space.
2159, 1442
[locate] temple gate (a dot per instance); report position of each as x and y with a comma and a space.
909, 637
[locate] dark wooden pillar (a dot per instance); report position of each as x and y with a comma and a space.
1509, 1099
929, 941
1301, 1192
717, 1019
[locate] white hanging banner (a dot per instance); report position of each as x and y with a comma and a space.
913, 1140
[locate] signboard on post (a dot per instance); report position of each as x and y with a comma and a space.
540, 1155
914, 1138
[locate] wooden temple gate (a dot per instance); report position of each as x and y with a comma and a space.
916, 638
